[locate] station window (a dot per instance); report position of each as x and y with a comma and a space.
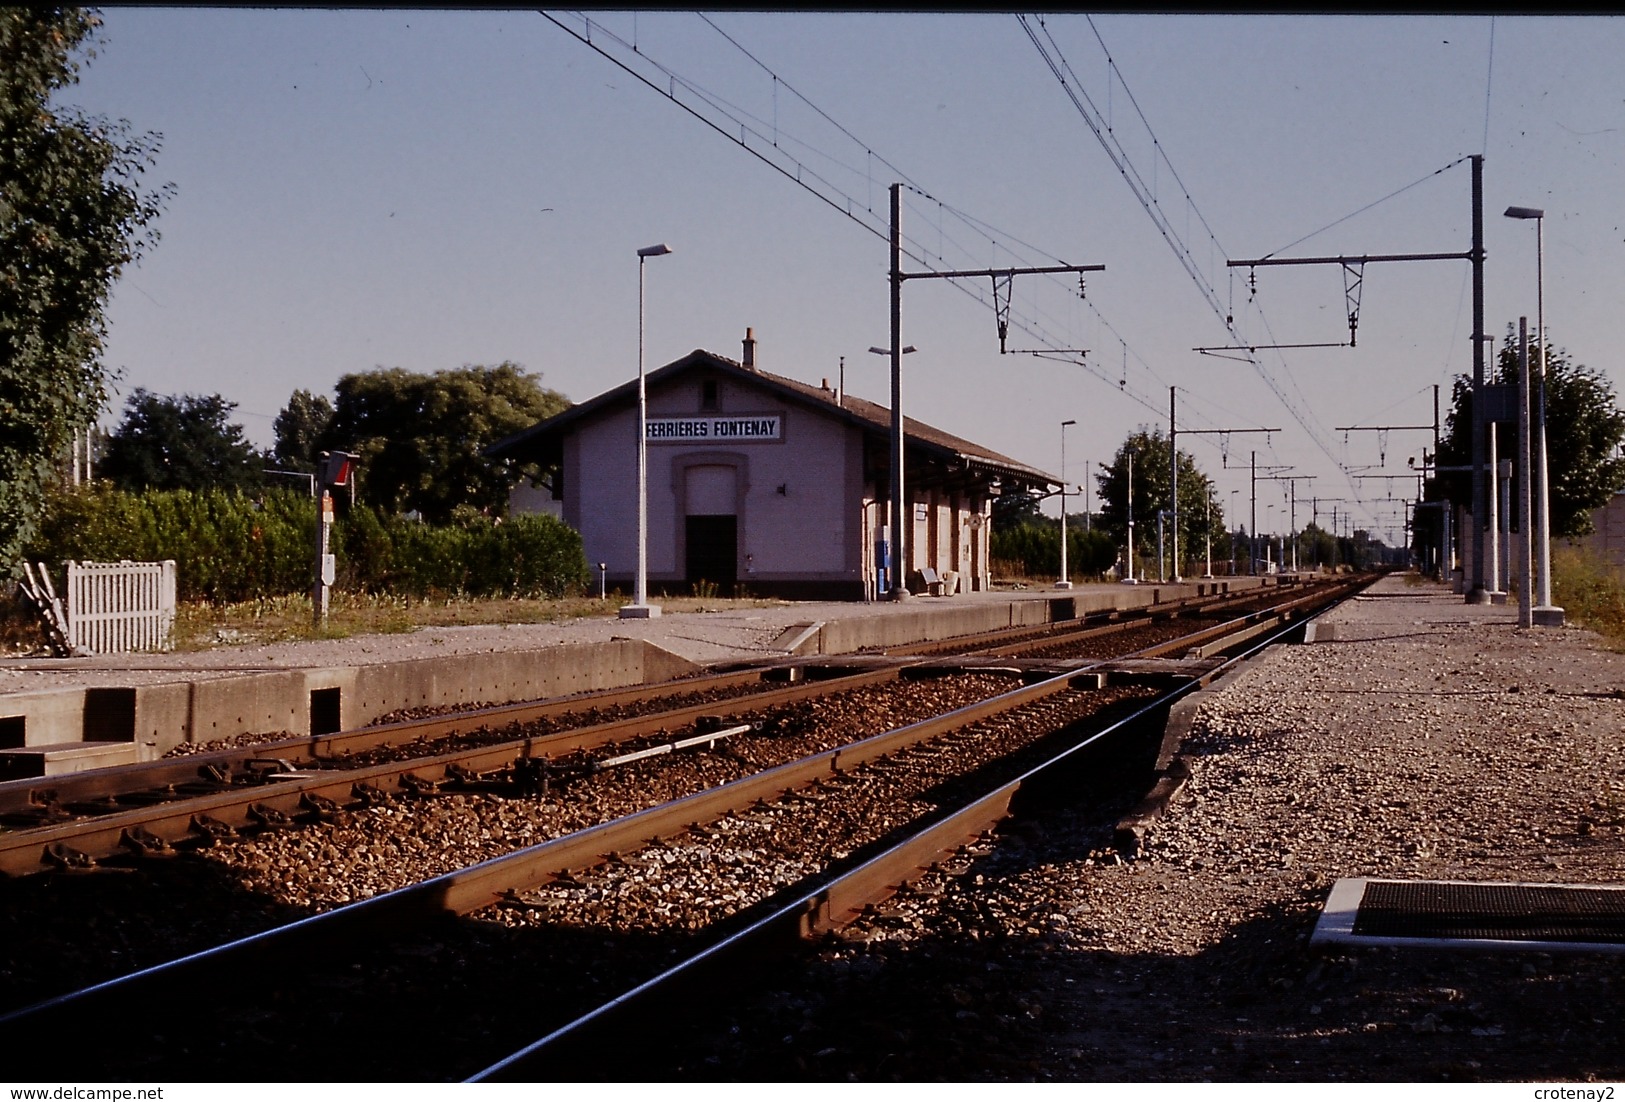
708, 394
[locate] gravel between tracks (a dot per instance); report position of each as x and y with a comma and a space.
1430, 740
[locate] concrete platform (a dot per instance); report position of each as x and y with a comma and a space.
152, 703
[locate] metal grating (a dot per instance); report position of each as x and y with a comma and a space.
1552, 917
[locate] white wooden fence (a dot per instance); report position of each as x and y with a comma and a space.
114, 607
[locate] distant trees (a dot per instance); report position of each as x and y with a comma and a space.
1033, 549
1152, 486
420, 436
73, 215
300, 429
1584, 426
1016, 506
1028, 543
184, 443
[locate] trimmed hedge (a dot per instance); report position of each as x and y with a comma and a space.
229, 546
1034, 550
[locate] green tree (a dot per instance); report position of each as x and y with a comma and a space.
72, 216
1584, 427
420, 436
1317, 547
184, 443
300, 428
1152, 485
1016, 506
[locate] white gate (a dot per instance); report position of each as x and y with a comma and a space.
114, 607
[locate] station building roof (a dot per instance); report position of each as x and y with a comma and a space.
543, 443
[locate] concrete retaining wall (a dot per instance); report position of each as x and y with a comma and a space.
157, 718
154, 719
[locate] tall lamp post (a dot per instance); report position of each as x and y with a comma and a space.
1207, 524
1131, 579
1235, 531
640, 608
1546, 614
1066, 577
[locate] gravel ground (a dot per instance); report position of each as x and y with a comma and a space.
1430, 739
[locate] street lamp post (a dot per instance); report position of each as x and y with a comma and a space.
1131, 579
1207, 526
1546, 614
640, 608
1066, 577
1235, 531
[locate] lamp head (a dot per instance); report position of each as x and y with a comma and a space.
653, 250
1524, 212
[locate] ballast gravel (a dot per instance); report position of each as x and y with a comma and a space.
1428, 739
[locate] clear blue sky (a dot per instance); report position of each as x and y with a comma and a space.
424, 189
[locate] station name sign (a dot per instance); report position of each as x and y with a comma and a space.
671, 430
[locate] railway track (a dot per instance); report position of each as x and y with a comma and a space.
774, 846
148, 810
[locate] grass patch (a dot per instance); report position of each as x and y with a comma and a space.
1590, 594
290, 618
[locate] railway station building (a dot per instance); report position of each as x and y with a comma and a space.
764, 485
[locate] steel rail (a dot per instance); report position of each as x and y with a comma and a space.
1102, 621
1183, 644
34, 849
492, 881
489, 882
839, 900
113, 781
163, 825
32, 794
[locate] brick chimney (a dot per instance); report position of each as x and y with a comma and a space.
749, 359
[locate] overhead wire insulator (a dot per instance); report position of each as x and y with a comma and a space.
1353, 284
1001, 309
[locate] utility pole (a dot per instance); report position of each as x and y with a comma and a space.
1252, 534
1174, 454
1526, 501
1292, 481
1476, 593
1338, 517
900, 542
1173, 476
